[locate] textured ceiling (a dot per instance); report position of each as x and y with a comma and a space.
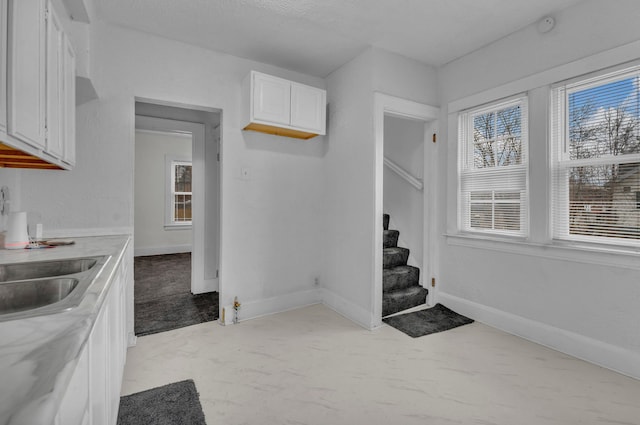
318, 36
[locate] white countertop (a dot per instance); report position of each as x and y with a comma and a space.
38, 355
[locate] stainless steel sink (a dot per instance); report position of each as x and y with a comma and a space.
31, 294
41, 269
45, 287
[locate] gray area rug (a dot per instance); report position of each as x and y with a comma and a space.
163, 298
173, 404
424, 322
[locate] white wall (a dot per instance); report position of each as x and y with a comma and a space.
150, 235
404, 145
270, 239
349, 173
582, 303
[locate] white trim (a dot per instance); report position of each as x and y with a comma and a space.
259, 308
612, 256
351, 311
401, 108
404, 174
161, 250
606, 355
618, 55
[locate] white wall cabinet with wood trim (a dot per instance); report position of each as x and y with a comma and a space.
40, 70
277, 106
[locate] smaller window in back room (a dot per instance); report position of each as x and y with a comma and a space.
596, 162
493, 169
181, 192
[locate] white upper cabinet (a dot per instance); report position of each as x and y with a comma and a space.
27, 73
277, 106
69, 102
55, 80
271, 99
37, 70
3, 66
308, 106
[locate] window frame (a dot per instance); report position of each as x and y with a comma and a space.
561, 162
171, 161
493, 177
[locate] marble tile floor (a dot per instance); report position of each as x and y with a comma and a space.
313, 366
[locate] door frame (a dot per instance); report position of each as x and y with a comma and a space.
402, 108
198, 282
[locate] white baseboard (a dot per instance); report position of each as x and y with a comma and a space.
254, 309
348, 309
161, 250
601, 353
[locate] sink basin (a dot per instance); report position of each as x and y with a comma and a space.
31, 294
42, 269
37, 288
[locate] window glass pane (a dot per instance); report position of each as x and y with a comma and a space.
603, 120
483, 155
509, 151
481, 196
482, 216
509, 121
602, 200
182, 208
483, 127
507, 216
183, 178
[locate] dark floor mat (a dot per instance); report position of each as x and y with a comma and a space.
424, 322
175, 311
173, 404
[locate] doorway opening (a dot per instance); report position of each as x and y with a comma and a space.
176, 223
405, 183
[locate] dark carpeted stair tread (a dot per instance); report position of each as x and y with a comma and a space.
400, 277
403, 299
385, 221
390, 238
395, 256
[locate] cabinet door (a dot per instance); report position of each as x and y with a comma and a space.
26, 108
3, 66
55, 80
271, 99
308, 108
69, 103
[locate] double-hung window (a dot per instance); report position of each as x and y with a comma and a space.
179, 192
596, 159
492, 166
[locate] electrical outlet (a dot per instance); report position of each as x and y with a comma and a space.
316, 281
245, 173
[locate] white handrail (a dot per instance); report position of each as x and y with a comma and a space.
413, 181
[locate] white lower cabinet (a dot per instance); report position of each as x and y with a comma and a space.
93, 394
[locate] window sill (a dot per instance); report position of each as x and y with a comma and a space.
606, 255
177, 227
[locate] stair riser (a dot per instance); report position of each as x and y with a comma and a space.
390, 238
394, 302
404, 278
395, 259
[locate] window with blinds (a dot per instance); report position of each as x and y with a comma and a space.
492, 166
181, 192
596, 159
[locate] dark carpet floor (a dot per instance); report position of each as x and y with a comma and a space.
173, 404
163, 298
424, 322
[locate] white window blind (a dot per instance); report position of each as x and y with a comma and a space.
492, 166
596, 159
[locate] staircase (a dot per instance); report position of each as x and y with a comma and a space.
400, 287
